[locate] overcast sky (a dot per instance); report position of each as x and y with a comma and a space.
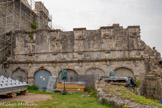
69, 14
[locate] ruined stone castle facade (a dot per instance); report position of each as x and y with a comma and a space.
44, 52
81, 52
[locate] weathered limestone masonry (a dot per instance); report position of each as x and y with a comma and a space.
16, 19
11, 19
19, 15
152, 84
81, 52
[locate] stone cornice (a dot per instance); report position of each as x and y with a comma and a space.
77, 61
80, 51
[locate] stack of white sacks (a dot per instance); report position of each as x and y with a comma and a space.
10, 83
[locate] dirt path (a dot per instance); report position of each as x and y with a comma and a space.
30, 98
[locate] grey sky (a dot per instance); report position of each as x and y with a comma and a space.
69, 14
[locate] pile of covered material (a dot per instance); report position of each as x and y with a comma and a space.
8, 85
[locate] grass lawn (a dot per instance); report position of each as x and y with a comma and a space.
74, 100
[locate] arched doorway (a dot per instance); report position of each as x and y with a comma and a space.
72, 76
95, 72
20, 75
123, 72
41, 78
91, 76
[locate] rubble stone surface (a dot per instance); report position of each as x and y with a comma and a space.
116, 99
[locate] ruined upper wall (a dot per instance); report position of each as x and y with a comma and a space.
106, 38
19, 15
106, 42
15, 15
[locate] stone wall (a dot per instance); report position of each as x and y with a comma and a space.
79, 68
17, 15
14, 19
101, 51
43, 14
20, 16
152, 85
84, 44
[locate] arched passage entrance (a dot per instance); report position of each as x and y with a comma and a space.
123, 72
72, 76
20, 75
91, 76
95, 71
41, 78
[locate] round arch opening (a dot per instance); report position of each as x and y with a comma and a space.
41, 78
95, 72
20, 75
123, 72
91, 76
72, 76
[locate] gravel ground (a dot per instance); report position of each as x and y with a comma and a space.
30, 98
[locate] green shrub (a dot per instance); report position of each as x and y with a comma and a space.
4, 60
32, 87
142, 56
91, 92
34, 25
138, 82
30, 34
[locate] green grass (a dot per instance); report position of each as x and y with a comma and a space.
74, 100
32, 87
125, 93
